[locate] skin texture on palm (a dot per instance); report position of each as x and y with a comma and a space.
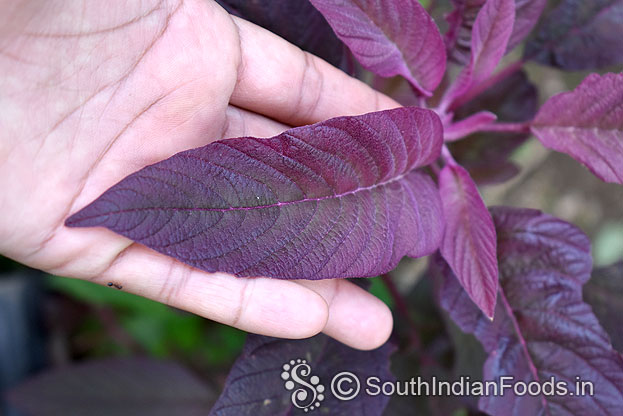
91, 92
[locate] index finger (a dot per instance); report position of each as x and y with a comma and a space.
279, 80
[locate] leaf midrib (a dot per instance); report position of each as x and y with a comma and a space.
256, 207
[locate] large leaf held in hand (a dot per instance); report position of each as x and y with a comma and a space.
390, 38
118, 386
297, 21
580, 34
542, 328
340, 198
587, 124
469, 242
256, 384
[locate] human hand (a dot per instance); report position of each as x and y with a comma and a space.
93, 91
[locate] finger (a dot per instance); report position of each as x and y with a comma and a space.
241, 122
356, 317
260, 305
279, 80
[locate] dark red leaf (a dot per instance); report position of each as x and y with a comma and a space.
490, 35
542, 328
390, 38
256, 384
469, 243
587, 124
461, 20
604, 293
580, 34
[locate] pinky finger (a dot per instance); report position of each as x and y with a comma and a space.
260, 305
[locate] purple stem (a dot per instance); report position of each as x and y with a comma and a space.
403, 310
447, 156
401, 307
508, 127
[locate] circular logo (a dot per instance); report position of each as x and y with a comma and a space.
345, 386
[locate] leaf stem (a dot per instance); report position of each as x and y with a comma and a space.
447, 156
523, 127
435, 168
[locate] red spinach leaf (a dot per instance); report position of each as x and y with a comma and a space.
587, 124
469, 243
580, 34
461, 20
604, 292
542, 328
341, 198
390, 38
490, 35
256, 384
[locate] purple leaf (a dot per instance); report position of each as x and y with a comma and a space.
587, 124
469, 243
117, 386
527, 13
469, 125
580, 34
604, 292
297, 21
390, 38
461, 20
542, 328
485, 155
490, 35
257, 386
340, 198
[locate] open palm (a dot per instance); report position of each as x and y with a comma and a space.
93, 91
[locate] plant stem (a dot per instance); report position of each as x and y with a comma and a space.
447, 156
435, 168
508, 127
402, 309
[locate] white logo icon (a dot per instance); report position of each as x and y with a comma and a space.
308, 395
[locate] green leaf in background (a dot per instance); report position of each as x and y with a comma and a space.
378, 289
608, 245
